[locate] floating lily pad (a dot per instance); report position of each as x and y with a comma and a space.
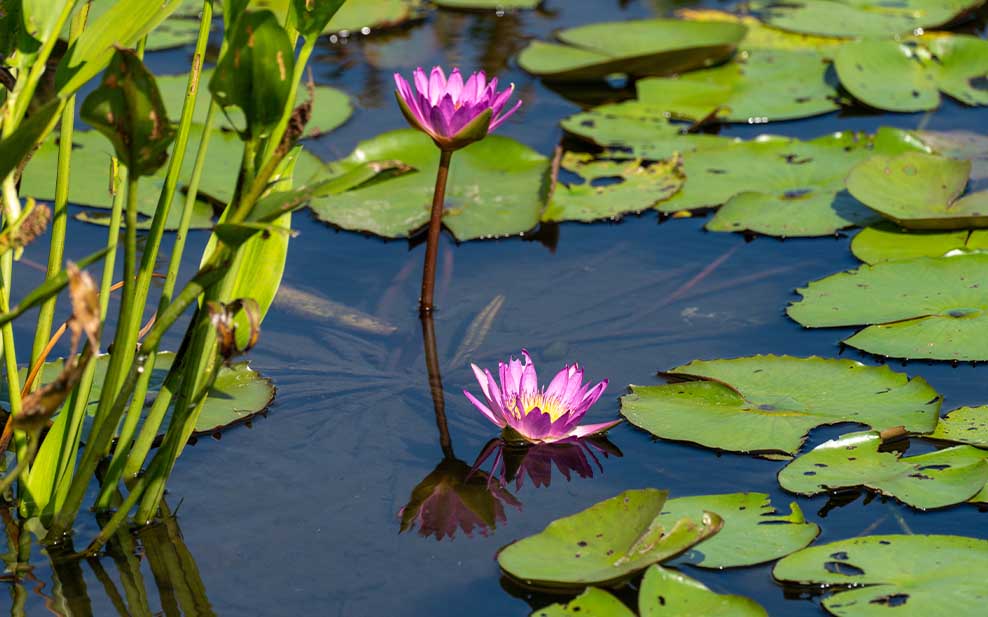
591, 603
605, 543
964, 145
909, 76
919, 191
964, 425
630, 187
861, 17
637, 48
790, 215
769, 403
754, 532
932, 480
923, 308
495, 188
330, 107
763, 36
758, 86
500, 5
902, 575
667, 593
888, 242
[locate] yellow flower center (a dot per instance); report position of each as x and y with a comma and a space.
551, 406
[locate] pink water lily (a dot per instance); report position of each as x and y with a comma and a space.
537, 415
452, 111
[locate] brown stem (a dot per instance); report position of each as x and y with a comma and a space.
435, 226
436, 383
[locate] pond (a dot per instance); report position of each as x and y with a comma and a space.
299, 512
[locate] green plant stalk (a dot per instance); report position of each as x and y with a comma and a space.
300, 63
150, 257
10, 356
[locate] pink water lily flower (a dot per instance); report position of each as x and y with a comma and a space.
453, 112
536, 415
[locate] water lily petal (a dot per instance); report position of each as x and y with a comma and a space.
484, 409
421, 82
593, 429
454, 85
534, 425
437, 85
496, 122
481, 377
557, 387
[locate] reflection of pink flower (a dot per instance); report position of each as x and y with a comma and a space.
539, 416
451, 498
571, 456
453, 112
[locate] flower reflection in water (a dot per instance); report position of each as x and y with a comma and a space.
513, 463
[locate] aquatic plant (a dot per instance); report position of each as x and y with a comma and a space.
527, 413
454, 114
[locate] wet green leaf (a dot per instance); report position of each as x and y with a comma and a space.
769, 403
964, 145
591, 603
127, 109
754, 531
667, 593
495, 188
933, 480
758, 86
629, 187
929, 308
606, 543
901, 575
763, 36
909, 76
637, 48
861, 17
888, 242
964, 425
791, 214
919, 191
313, 17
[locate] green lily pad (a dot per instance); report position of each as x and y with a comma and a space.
923, 308
964, 425
769, 403
500, 5
591, 603
634, 187
754, 532
919, 191
330, 107
888, 242
758, 86
637, 48
909, 76
667, 593
495, 188
861, 17
790, 215
604, 544
964, 145
764, 36
933, 480
901, 575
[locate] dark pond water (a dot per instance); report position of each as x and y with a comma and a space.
299, 515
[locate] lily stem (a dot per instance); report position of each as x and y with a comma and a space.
436, 383
435, 226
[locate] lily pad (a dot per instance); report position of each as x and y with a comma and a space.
591, 603
764, 36
636, 48
495, 188
769, 403
909, 76
923, 308
888, 242
754, 532
933, 480
964, 425
919, 191
330, 107
902, 575
863, 18
758, 86
964, 145
604, 544
667, 593
790, 215
630, 187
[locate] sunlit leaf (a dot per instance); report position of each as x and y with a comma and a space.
861, 17
964, 425
667, 593
591, 603
888, 242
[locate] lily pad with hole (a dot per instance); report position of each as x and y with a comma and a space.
604, 544
919, 191
612, 189
909, 76
758, 86
637, 48
496, 188
925, 481
967, 425
901, 575
933, 308
591, 603
763, 36
767, 404
889, 242
861, 18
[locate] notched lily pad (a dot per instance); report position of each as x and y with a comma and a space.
861, 18
667, 593
767, 404
923, 308
919, 191
612, 189
591, 603
604, 544
933, 480
967, 425
889, 242
637, 48
754, 531
902, 575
